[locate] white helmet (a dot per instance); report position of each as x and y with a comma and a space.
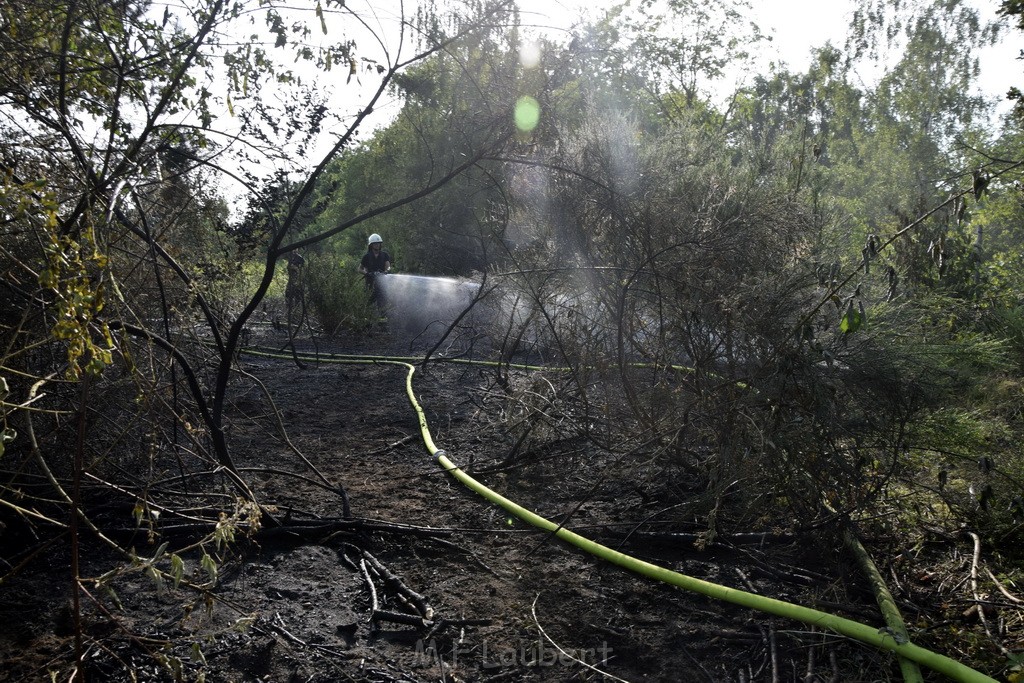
375, 239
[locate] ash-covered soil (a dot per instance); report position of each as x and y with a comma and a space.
427, 581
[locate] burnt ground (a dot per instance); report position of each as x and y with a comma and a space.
464, 591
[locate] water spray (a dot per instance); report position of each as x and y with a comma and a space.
420, 303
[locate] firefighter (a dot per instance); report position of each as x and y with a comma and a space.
375, 263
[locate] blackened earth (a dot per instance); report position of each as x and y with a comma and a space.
506, 602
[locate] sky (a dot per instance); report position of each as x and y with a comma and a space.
797, 26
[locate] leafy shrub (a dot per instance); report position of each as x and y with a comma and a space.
336, 294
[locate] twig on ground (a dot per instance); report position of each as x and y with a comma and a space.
756, 538
533, 611
978, 602
277, 628
809, 674
393, 582
369, 583
834, 659
766, 660
391, 446
746, 582
798, 575
504, 676
399, 618
1001, 587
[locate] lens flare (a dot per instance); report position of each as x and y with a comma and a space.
527, 114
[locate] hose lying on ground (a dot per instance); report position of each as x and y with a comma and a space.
882, 638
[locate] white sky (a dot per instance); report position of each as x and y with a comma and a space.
797, 26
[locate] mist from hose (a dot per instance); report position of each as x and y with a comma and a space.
422, 308
425, 305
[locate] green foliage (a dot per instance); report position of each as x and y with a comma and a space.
337, 295
32, 52
835, 169
456, 102
878, 159
994, 221
853, 319
685, 46
74, 275
1007, 322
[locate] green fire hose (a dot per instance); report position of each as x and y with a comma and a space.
881, 638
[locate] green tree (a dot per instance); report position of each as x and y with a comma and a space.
453, 103
688, 47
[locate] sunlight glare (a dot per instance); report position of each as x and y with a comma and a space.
529, 54
527, 114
